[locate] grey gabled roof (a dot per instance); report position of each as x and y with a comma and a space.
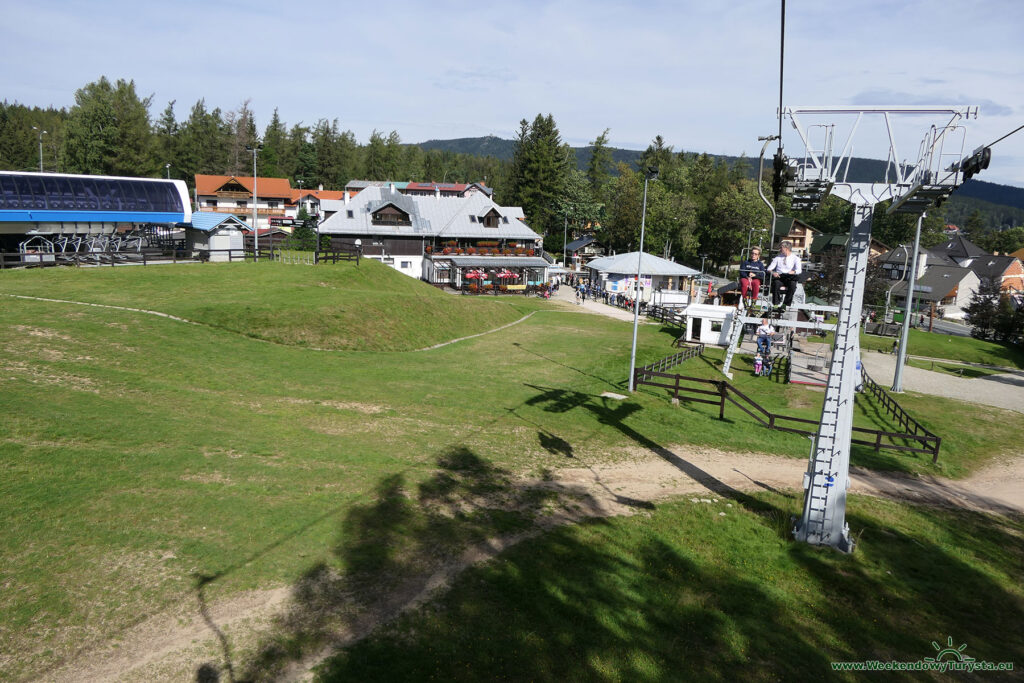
959, 247
580, 243
430, 216
940, 280
649, 265
990, 267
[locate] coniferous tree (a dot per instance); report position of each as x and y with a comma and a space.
165, 141
108, 131
599, 167
270, 161
981, 311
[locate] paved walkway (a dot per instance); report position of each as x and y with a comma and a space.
567, 295
1002, 391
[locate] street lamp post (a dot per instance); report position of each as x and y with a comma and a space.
168, 167
897, 380
565, 231
255, 149
41, 134
651, 174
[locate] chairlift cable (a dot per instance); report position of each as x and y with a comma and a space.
1018, 128
782, 54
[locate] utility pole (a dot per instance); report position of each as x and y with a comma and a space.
255, 199
41, 134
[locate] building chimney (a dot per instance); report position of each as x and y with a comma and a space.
321, 187
346, 196
392, 188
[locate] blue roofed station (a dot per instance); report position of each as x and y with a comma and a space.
55, 217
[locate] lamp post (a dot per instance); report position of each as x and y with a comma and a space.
651, 174
168, 167
897, 380
41, 134
565, 229
255, 149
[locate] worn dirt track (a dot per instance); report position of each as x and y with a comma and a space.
174, 646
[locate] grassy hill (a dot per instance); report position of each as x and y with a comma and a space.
368, 308
151, 467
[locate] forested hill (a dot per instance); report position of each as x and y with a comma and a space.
861, 170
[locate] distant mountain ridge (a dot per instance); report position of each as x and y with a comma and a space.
861, 170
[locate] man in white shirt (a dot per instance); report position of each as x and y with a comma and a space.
786, 268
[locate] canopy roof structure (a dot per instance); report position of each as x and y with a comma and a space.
649, 265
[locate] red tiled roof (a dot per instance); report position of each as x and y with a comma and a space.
267, 187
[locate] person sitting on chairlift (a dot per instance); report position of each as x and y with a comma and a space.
786, 267
751, 275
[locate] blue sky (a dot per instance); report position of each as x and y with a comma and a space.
704, 74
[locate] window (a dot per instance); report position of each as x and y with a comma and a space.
406, 264
211, 202
472, 219
241, 203
504, 219
390, 215
349, 213
274, 204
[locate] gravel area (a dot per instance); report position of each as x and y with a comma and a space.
1002, 391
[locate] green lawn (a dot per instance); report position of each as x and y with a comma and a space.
141, 457
963, 349
689, 591
954, 369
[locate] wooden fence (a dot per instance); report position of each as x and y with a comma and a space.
696, 390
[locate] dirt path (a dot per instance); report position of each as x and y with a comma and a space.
176, 646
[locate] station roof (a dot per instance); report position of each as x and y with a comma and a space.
649, 265
67, 198
208, 221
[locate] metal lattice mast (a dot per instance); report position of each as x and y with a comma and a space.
940, 169
827, 479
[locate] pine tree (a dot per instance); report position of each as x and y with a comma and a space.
981, 311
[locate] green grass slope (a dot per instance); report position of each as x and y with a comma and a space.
369, 307
702, 591
142, 458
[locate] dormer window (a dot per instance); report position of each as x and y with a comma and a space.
389, 214
491, 219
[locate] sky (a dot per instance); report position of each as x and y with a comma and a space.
703, 74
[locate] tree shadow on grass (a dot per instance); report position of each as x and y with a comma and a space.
394, 552
646, 599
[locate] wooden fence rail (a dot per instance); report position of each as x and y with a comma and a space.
683, 389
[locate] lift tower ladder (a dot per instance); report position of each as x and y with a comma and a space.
913, 188
827, 478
